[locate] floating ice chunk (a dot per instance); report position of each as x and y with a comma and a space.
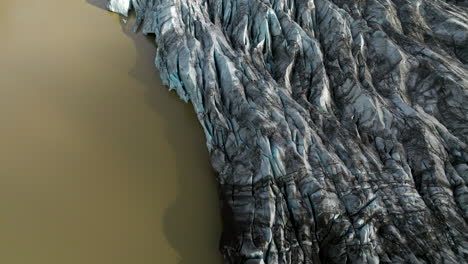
119, 6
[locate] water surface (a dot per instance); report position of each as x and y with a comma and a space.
99, 164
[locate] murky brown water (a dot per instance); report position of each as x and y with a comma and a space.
99, 164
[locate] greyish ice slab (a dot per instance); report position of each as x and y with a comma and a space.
119, 6
338, 129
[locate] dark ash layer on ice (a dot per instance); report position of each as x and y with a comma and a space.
338, 129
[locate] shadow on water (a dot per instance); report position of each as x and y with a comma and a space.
192, 223
98, 3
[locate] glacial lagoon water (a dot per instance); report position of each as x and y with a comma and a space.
99, 163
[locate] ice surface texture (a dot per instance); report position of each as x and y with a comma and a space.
338, 129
